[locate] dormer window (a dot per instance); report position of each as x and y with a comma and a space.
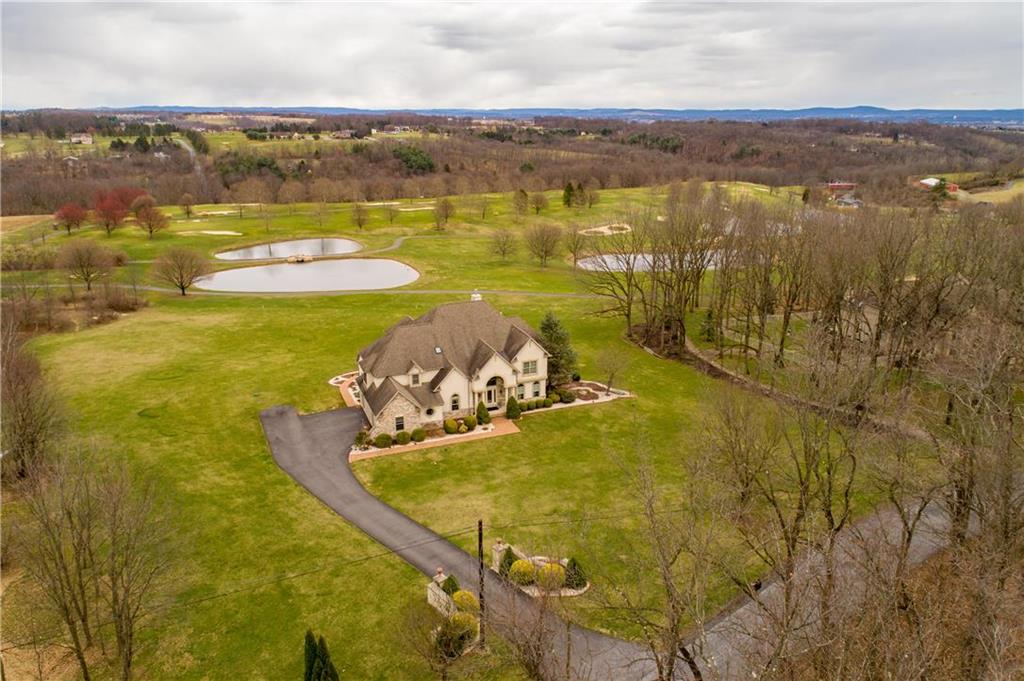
415, 379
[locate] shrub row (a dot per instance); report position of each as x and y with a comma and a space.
550, 577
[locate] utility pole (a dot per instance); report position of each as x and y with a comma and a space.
480, 555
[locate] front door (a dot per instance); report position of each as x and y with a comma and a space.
492, 396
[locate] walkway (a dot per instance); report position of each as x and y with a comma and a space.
312, 450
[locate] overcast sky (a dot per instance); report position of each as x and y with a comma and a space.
509, 54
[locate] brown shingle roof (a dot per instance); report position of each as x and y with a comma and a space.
457, 329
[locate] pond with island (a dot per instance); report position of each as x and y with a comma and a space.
357, 274
286, 249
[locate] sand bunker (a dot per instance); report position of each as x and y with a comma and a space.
607, 230
213, 232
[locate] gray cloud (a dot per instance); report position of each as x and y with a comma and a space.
671, 55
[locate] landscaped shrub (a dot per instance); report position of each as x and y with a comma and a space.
419, 435
466, 601
507, 559
362, 439
465, 622
576, 377
469, 422
456, 633
451, 426
554, 396
382, 441
538, 403
568, 397
527, 405
551, 577
575, 578
547, 402
512, 410
482, 415
522, 572
450, 585
403, 437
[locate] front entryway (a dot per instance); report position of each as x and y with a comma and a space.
494, 393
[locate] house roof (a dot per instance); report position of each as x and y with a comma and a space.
461, 335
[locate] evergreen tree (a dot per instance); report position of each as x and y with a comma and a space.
567, 195
707, 327
562, 360
512, 410
482, 415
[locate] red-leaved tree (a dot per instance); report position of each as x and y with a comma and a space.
70, 216
112, 206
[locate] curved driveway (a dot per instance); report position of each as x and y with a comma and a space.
313, 450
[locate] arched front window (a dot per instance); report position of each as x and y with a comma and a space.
455, 402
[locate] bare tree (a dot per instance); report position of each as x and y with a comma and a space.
542, 241
360, 215
85, 260
520, 202
444, 210
31, 417
391, 211
503, 243
181, 267
187, 201
575, 242
611, 363
152, 219
538, 202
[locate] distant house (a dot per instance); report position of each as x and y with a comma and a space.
442, 364
933, 182
343, 134
837, 186
81, 138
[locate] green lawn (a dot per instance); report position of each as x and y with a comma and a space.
176, 389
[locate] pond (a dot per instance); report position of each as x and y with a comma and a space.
618, 262
284, 249
357, 274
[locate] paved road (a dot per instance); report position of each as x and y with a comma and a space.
312, 449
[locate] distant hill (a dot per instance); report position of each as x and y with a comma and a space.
863, 113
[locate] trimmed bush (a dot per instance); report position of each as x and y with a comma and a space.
569, 397
465, 622
466, 601
362, 439
469, 422
522, 572
455, 634
512, 410
382, 441
575, 578
419, 435
451, 426
482, 415
507, 559
403, 437
527, 406
576, 377
547, 402
450, 585
554, 396
537, 403
551, 577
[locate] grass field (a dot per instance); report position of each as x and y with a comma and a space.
176, 389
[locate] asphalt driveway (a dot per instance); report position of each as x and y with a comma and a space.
312, 449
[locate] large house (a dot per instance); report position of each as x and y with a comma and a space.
441, 365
